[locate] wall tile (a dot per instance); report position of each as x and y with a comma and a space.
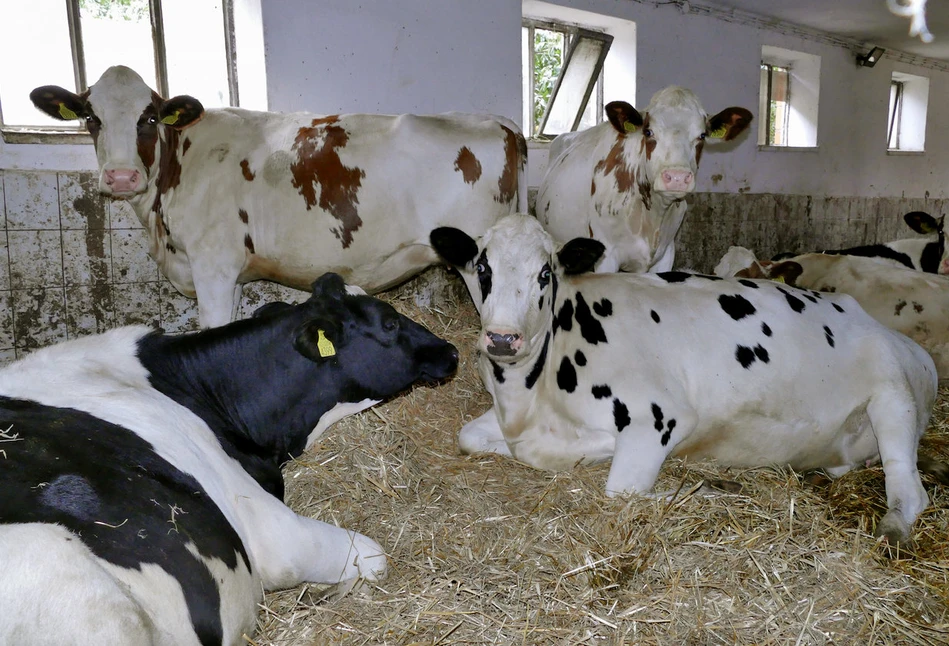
7, 337
7, 355
4, 262
122, 215
36, 259
39, 317
178, 312
89, 310
261, 292
32, 200
130, 260
87, 256
80, 204
137, 303
3, 210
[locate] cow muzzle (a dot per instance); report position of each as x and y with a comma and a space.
677, 180
121, 183
502, 344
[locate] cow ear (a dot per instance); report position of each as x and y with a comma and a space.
59, 103
753, 270
269, 309
729, 123
181, 111
787, 271
455, 246
328, 285
318, 340
580, 255
623, 116
922, 222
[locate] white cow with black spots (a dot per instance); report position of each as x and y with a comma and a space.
639, 367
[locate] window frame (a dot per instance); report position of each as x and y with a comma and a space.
897, 89
769, 69
573, 36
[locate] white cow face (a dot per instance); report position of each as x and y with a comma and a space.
512, 274
128, 122
669, 138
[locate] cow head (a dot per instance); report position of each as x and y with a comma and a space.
512, 272
669, 138
922, 222
127, 120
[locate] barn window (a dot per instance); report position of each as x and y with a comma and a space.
906, 117
788, 98
178, 47
563, 77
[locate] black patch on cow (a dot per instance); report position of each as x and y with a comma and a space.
932, 255
762, 354
603, 308
900, 304
170, 247
126, 503
248, 243
838, 307
590, 328
917, 307
766, 329
661, 426
669, 428
816, 295
484, 275
810, 297
747, 356
654, 315
708, 277
579, 358
553, 291
567, 376
794, 302
538, 366
657, 416
620, 415
829, 335
674, 276
564, 318
875, 251
737, 306
498, 371
748, 283
602, 391
540, 302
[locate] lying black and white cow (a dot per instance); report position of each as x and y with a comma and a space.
926, 254
142, 493
639, 367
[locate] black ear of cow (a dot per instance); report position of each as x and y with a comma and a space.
623, 116
318, 340
788, 271
267, 309
455, 246
328, 285
181, 111
58, 102
580, 255
922, 222
729, 123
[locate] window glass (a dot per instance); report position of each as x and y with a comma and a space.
117, 32
195, 50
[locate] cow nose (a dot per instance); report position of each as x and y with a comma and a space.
677, 180
503, 345
122, 180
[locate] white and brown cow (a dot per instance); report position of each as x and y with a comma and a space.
230, 195
913, 302
624, 181
639, 367
142, 495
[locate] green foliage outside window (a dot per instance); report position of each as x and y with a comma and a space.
548, 58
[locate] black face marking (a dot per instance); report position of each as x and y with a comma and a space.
543, 278
602, 391
484, 275
580, 359
620, 415
540, 303
567, 376
538, 365
932, 255
837, 307
654, 315
765, 329
564, 318
748, 283
674, 276
590, 328
737, 306
498, 371
796, 303
603, 308
658, 416
829, 335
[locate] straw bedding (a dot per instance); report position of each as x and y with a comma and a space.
484, 550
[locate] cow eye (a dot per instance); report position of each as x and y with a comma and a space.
647, 132
544, 275
152, 120
390, 325
703, 135
480, 268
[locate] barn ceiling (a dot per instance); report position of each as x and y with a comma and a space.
863, 20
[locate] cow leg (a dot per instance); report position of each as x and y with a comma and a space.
217, 290
483, 435
894, 422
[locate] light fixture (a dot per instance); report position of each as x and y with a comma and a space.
871, 58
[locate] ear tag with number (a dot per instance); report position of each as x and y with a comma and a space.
630, 127
324, 345
66, 113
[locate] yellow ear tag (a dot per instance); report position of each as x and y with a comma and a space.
629, 127
324, 345
779, 279
171, 119
66, 113
719, 133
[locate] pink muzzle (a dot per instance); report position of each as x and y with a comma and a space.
122, 182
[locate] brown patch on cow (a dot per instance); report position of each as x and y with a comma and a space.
169, 176
185, 146
515, 154
242, 214
917, 307
246, 171
899, 307
649, 143
317, 163
248, 242
592, 187
615, 164
468, 165
147, 138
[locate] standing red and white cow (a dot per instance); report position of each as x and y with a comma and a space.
624, 181
229, 195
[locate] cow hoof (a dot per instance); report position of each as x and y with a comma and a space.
894, 529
